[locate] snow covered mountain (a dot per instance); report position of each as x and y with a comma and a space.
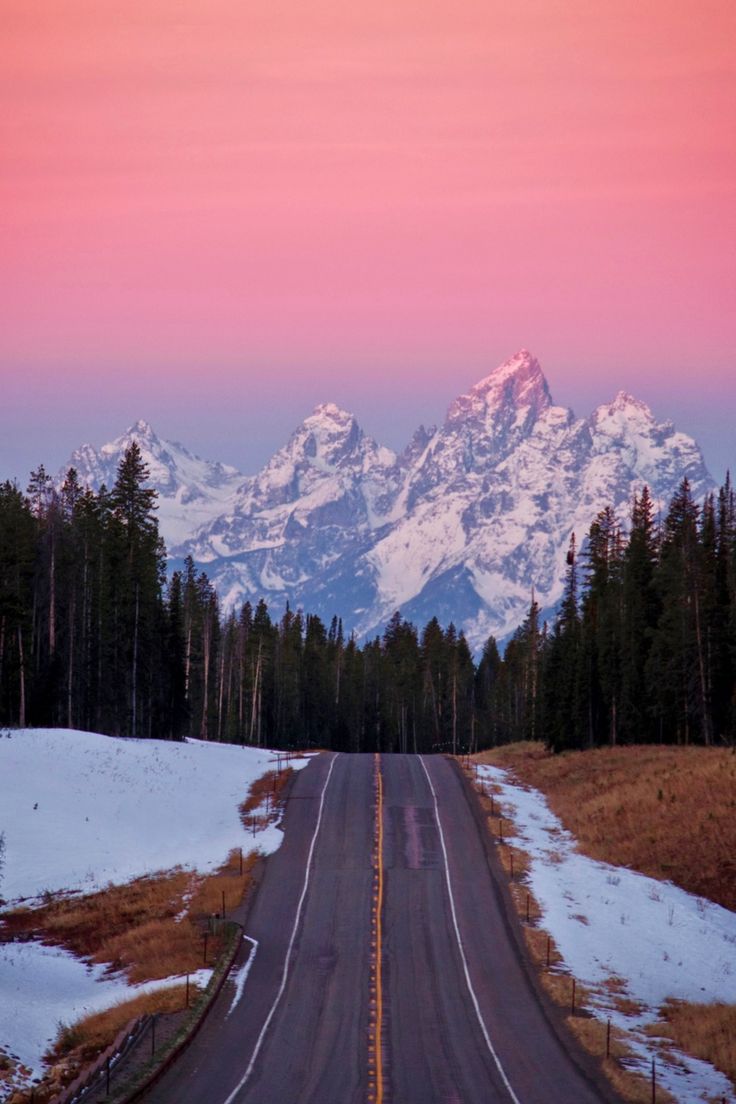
461, 525
191, 492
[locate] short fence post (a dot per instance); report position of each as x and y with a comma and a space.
511, 861
500, 829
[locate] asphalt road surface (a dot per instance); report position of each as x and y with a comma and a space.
425, 1000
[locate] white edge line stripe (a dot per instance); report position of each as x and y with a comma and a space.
469, 983
287, 960
242, 975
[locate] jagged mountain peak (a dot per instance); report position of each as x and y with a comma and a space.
462, 524
626, 403
330, 413
518, 385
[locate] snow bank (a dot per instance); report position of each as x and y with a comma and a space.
43, 987
610, 922
79, 810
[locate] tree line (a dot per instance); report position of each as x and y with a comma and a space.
644, 647
93, 635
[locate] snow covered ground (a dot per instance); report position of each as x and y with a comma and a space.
79, 810
610, 922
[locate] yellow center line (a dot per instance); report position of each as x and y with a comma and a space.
379, 932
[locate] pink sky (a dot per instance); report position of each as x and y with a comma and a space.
273, 202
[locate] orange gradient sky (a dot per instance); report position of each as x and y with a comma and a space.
215, 213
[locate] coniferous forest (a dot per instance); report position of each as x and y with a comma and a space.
93, 635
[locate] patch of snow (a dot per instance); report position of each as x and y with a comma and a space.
44, 987
79, 810
659, 940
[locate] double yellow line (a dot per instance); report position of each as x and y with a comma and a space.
375, 1044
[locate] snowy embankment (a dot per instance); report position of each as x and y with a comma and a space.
611, 924
78, 811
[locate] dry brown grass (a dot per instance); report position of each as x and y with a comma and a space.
150, 928
669, 812
632, 1086
707, 1031
89, 1036
590, 1031
266, 791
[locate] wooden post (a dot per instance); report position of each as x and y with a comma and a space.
493, 812
608, 1039
254, 824
572, 1007
654, 1083
500, 829
511, 861
223, 904
240, 851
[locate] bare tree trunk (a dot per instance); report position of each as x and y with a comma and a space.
220, 695
134, 680
70, 673
454, 712
704, 702
52, 596
206, 630
21, 657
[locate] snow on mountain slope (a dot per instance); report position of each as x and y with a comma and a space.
461, 525
191, 491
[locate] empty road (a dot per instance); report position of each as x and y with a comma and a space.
386, 969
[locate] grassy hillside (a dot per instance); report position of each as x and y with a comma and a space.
669, 812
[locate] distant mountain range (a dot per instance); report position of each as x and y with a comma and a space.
461, 525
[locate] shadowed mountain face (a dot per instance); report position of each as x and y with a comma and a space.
461, 525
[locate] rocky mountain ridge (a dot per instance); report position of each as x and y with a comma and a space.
461, 525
